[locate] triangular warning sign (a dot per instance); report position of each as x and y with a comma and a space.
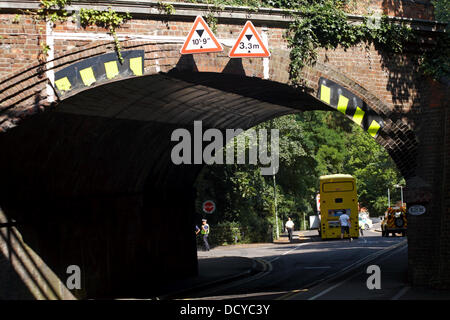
199, 41
249, 46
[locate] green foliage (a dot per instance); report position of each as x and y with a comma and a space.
373, 169
53, 10
166, 8
106, 19
110, 20
211, 20
224, 233
436, 62
339, 148
389, 36
441, 10
16, 19
49, 10
45, 48
318, 24
220, 4
324, 24
311, 144
216, 6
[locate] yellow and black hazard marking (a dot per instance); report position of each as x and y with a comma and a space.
98, 69
351, 105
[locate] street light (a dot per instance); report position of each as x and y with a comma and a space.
275, 193
275, 203
401, 191
389, 199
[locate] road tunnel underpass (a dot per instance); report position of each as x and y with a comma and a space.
90, 182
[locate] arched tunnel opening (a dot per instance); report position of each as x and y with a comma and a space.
91, 181
312, 144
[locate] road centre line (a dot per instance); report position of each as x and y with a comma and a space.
285, 253
332, 287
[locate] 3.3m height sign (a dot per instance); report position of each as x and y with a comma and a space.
200, 39
249, 44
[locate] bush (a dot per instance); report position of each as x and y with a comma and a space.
223, 233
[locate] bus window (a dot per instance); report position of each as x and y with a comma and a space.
337, 213
337, 186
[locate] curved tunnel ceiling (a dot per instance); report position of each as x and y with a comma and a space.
219, 100
115, 138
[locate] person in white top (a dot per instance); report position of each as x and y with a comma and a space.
290, 228
344, 219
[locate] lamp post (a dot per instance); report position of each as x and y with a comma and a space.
401, 191
304, 221
275, 202
275, 191
389, 199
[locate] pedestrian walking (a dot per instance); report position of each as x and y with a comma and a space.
205, 233
290, 228
345, 222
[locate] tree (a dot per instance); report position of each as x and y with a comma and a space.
311, 144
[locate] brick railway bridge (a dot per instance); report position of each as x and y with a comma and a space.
86, 175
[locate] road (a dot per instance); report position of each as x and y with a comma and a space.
317, 270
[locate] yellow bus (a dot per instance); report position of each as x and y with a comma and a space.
338, 196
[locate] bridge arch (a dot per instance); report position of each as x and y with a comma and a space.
233, 93
22, 94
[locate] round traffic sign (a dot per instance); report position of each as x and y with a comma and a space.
417, 210
209, 206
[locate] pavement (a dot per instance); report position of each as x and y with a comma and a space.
299, 237
228, 264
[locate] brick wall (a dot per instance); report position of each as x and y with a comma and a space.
412, 106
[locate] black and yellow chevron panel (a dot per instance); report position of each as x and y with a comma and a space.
350, 105
98, 69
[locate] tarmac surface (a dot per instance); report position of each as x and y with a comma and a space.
305, 269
